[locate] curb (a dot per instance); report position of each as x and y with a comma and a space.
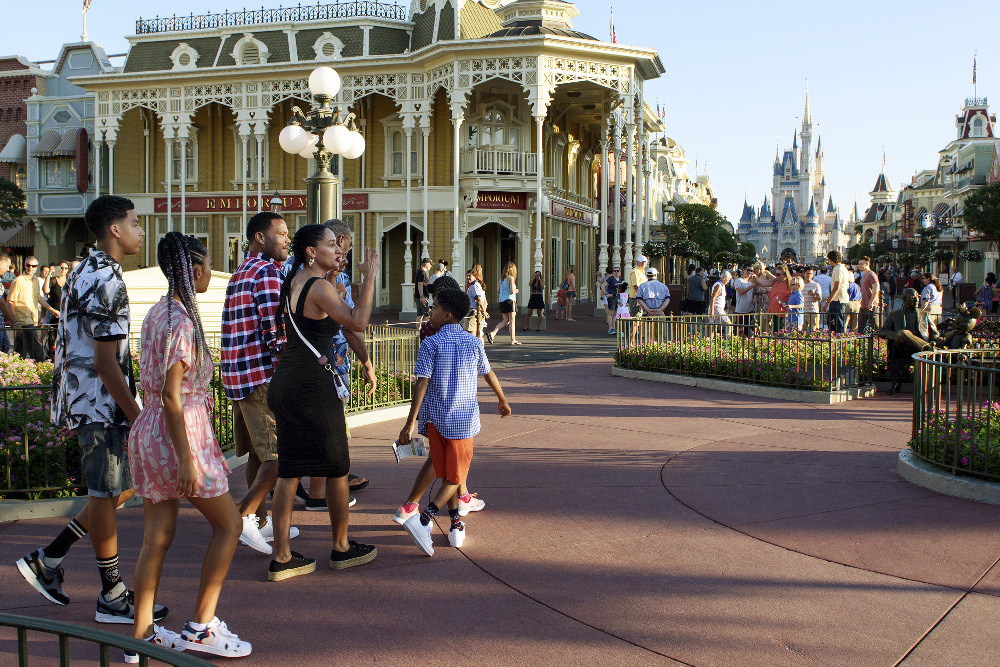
919, 472
20, 510
780, 393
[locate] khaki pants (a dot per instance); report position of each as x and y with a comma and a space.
851, 310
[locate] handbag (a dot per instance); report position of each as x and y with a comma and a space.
342, 391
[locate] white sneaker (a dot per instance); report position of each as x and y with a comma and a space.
420, 533
251, 535
267, 530
161, 637
456, 536
352, 502
474, 505
216, 639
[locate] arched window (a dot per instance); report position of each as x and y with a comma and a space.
978, 129
397, 152
250, 55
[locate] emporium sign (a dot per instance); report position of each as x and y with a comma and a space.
223, 204
560, 210
502, 200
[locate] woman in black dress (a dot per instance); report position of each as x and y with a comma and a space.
536, 302
308, 412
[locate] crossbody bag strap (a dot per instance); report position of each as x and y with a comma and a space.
291, 316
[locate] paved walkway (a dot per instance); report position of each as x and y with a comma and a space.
626, 523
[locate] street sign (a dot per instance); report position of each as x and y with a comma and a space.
658, 235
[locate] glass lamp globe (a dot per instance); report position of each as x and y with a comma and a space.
293, 139
357, 147
324, 81
337, 139
309, 151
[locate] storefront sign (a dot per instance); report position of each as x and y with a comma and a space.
502, 200
355, 202
560, 210
228, 203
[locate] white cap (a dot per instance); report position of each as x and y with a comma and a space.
641, 259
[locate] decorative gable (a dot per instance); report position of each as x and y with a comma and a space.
328, 47
184, 57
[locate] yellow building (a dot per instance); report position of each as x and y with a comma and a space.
484, 124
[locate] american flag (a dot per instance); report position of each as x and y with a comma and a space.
86, 5
974, 69
614, 36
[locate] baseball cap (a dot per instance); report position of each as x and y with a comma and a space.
640, 259
651, 271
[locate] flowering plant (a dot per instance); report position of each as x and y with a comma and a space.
974, 441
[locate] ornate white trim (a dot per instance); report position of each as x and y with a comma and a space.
247, 41
328, 39
184, 57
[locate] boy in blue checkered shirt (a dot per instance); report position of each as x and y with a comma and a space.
445, 408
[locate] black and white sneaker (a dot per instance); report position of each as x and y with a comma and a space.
45, 580
160, 637
122, 609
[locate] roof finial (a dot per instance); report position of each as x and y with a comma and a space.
806, 120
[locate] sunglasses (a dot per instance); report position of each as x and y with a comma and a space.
31, 266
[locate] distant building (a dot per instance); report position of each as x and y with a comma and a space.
795, 219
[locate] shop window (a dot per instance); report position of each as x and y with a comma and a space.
53, 174
396, 147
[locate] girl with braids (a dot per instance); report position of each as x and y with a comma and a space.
308, 413
173, 452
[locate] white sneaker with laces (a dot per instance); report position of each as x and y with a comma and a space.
456, 536
251, 535
216, 639
160, 637
474, 505
420, 533
267, 530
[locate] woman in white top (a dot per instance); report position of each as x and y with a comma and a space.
932, 297
506, 292
717, 303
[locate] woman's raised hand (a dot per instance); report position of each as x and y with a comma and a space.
369, 267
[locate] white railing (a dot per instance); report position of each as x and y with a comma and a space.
493, 161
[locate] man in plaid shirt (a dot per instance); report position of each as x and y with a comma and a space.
250, 351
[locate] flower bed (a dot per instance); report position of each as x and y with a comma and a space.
972, 447
816, 361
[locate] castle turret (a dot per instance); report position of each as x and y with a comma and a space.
805, 159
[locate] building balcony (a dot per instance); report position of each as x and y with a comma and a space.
291, 15
965, 182
574, 197
499, 162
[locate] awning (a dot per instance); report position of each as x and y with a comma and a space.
67, 146
919, 214
965, 167
20, 236
16, 149
940, 210
48, 143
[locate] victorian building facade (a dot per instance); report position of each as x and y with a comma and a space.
800, 217
485, 125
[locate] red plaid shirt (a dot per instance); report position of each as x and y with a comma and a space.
249, 329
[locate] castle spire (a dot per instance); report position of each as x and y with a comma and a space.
807, 117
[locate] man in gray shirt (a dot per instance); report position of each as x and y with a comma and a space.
697, 291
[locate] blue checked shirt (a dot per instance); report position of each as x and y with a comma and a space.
452, 360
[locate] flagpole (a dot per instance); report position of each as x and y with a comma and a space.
83, 37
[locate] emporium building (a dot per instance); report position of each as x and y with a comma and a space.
484, 125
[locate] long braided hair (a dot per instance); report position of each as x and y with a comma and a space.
308, 236
177, 255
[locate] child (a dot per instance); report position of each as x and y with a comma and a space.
795, 301
447, 409
561, 297
621, 309
173, 453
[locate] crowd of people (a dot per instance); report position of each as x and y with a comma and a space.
30, 305
288, 325
786, 296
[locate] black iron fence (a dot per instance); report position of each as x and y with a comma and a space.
297, 14
740, 350
51, 638
956, 410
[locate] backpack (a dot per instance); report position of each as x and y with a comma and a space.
565, 285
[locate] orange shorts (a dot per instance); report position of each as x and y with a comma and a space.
451, 458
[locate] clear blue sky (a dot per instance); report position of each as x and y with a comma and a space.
883, 73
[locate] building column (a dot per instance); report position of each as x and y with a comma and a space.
539, 166
409, 308
259, 138
617, 197
629, 191
425, 132
244, 140
111, 166
184, 143
169, 142
602, 258
97, 165
457, 267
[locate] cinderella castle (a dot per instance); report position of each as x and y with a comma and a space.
798, 223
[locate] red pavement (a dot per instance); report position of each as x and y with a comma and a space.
626, 523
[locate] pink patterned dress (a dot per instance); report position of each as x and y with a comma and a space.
151, 453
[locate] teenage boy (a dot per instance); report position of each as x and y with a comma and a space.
837, 301
93, 397
445, 408
421, 297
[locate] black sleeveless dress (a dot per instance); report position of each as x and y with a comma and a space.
308, 414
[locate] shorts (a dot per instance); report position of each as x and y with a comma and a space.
104, 460
507, 306
633, 307
254, 429
422, 308
570, 295
451, 458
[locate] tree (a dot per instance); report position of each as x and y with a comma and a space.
707, 228
12, 209
982, 211
748, 250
